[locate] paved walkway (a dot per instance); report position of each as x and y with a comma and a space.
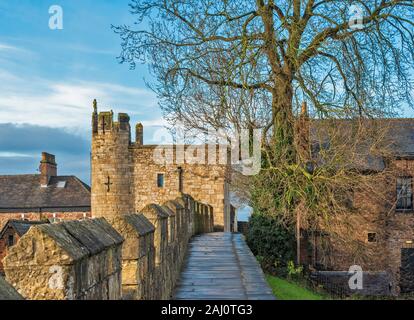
221, 266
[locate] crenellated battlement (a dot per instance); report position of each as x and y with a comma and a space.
103, 122
106, 122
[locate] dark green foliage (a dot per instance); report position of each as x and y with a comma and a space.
272, 242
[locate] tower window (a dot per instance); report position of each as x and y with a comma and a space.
10, 240
160, 180
372, 237
404, 193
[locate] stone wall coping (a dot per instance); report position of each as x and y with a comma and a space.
79, 238
188, 197
140, 223
61, 236
174, 204
168, 210
155, 211
7, 292
95, 234
180, 201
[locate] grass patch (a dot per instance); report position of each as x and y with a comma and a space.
286, 290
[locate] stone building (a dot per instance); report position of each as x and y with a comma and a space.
29, 199
43, 196
11, 233
127, 175
384, 242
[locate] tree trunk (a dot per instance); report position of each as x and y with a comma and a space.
283, 122
282, 95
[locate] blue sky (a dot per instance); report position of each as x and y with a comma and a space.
48, 79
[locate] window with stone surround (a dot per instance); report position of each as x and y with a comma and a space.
10, 240
404, 194
160, 180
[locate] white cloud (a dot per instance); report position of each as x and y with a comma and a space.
7, 47
159, 122
4, 154
67, 104
87, 49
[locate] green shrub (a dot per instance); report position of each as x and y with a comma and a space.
272, 241
293, 272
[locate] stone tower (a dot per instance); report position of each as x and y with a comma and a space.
110, 165
127, 176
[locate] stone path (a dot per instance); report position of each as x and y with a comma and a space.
221, 266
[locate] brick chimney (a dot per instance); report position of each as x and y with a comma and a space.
48, 168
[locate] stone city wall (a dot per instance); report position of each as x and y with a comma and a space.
129, 256
156, 244
76, 260
206, 183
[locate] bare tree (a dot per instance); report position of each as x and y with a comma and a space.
205, 53
252, 64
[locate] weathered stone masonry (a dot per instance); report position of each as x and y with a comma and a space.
77, 260
125, 173
133, 256
156, 243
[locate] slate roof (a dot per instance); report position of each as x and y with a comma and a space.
20, 226
401, 132
23, 193
398, 137
7, 292
140, 223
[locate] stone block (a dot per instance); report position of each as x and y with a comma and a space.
69, 260
7, 291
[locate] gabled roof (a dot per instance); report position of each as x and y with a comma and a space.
20, 226
140, 223
23, 193
401, 134
398, 137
